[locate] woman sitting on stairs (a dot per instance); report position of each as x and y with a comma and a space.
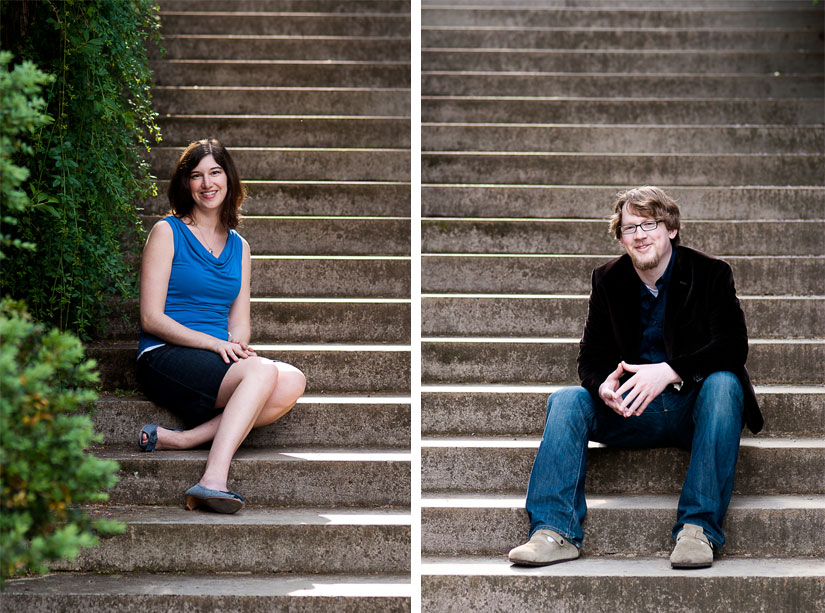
193, 356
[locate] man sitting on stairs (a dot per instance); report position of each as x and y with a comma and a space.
662, 364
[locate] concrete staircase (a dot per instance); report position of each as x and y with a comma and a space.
534, 115
312, 99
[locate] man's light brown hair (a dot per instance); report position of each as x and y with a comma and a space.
646, 201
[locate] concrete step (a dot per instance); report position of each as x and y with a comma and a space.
217, 100
305, 131
318, 320
378, 7
210, 593
631, 110
458, 235
588, 38
283, 477
749, 17
553, 361
502, 466
376, 421
564, 315
322, 235
626, 525
330, 369
283, 73
570, 274
324, 198
598, 584
633, 169
285, 47
286, 22
286, 164
256, 540
617, 60
625, 139
520, 410
339, 276
545, 84
626, 4
596, 201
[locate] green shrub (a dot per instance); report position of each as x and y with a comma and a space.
21, 114
88, 163
45, 470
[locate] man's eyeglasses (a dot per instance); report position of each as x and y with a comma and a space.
647, 226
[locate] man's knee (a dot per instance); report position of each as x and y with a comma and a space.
722, 395
568, 404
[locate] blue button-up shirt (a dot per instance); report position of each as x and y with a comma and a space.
652, 349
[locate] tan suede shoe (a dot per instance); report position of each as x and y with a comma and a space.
693, 549
544, 547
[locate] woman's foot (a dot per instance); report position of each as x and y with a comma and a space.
154, 437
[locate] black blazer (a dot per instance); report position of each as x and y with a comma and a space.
704, 327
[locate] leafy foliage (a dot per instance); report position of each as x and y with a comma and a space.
87, 171
45, 382
21, 114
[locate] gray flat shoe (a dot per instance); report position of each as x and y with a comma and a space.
214, 500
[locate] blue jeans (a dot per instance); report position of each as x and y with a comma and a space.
707, 421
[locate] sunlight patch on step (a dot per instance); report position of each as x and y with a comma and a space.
348, 456
510, 296
334, 347
491, 388
335, 300
333, 257
373, 399
502, 340
341, 589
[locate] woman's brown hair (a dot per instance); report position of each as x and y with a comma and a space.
180, 198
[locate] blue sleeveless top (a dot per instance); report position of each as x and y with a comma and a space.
202, 287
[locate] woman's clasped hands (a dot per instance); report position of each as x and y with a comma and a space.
233, 350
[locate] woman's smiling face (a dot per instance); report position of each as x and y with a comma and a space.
207, 183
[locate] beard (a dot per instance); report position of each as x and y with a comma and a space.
645, 264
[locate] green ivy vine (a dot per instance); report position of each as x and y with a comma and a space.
87, 172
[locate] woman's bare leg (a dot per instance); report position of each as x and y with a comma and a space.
290, 386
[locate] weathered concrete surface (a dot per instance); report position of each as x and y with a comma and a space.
607, 110
765, 466
621, 39
554, 362
626, 61
333, 7
275, 73
564, 316
351, 277
280, 164
627, 139
787, 412
397, 25
587, 236
447, 83
548, 201
327, 236
746, 17
652, 169
314, 422
308, 131
328, 370
371, 198
210, 593
252, 540
567, 274
631, 525
597, 584
283, 477
285, 47
301, 321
